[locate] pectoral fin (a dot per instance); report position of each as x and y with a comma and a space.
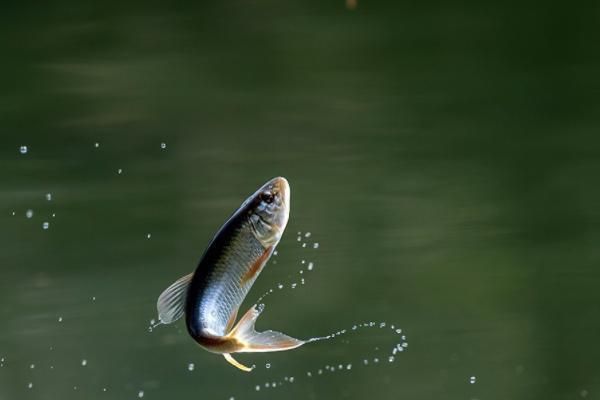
255, 342
257, 266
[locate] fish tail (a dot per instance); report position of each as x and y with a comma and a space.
251, 341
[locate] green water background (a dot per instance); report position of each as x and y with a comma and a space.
444, 156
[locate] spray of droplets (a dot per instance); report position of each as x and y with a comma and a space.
305, 265
400, 346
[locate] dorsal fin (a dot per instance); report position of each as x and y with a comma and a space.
171, 302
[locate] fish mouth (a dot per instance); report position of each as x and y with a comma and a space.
281, 186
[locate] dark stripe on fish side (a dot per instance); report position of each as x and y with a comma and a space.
218, 344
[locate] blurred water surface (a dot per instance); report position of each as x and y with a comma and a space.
445, 157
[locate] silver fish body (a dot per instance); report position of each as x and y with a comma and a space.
211, 296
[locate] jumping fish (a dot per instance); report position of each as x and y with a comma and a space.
211, 295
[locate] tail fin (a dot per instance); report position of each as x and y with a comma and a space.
258, 342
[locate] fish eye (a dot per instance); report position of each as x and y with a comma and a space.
267, 197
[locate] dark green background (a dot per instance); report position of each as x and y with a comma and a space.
445, 156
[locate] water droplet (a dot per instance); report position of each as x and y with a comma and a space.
29, 213
104, 389
32, 366
307, 234
299, 238
303, 244
163, 145
83, 362
376, 360
97, 144
53, 215
13, 213
391, 359
294, 285
349, 366
45, 225
382, 325
275, 253
310, 266
398, 331
191, 366
93, 298
267, 384
279, 286
23, 149
49, 196
141, 394
315, 245
267, 365
291, 379
472, 380
309, 374
148, 236
29, 385
60, 319
120, 171
257, 388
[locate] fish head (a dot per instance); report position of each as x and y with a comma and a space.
269, 210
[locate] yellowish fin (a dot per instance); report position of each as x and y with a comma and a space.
236, 363
251, 341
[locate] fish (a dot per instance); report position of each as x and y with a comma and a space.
211, 296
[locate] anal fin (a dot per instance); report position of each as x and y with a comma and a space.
236, 363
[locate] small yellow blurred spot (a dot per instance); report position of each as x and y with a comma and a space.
351, 4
